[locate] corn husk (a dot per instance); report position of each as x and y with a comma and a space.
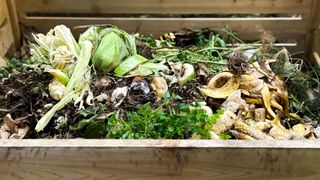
58, 75
129, 64
77, 86
57, 48
115, 45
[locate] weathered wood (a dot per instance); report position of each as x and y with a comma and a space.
3, 13
14, 22
144, 143
6, 36
316, 56
284, 29
159, 159
315, 38
73, 13
164, 6
312, 28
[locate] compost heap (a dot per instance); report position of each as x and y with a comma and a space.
110, 84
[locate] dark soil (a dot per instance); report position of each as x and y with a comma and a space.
25, 95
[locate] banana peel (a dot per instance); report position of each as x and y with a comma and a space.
224, 122
240, 135
247, 78
221, 86
302, 129
251, 131
276, 105
254, 101
267, 100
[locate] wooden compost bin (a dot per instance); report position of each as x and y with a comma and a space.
160, 159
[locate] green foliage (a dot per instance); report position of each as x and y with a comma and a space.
12, 66
166, 121
93, 124
225, 136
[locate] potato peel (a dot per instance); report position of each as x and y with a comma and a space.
159, 84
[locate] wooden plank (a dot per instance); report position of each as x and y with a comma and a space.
14, 22
151, 143
317, 58
312, 28
2, 62
247, 28
159, 159
3, 14
164, 6
6, 37
284, 29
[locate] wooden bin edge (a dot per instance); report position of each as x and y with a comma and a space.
146, 143
159, 159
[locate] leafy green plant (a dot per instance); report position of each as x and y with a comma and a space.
166, 121
12, 66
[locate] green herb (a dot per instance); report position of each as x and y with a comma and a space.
225, 136
166, 121
12, 66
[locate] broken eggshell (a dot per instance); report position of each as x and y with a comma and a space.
118, 95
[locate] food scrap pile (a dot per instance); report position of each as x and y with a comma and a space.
186, 85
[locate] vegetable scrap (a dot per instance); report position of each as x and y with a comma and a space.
194, 84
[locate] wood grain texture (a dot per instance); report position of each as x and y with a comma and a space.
165, 6
43, 15
14, 22
6, 35
158, 26
3, 13
284, 29
316, 56
312, 28
159, 159
316, 35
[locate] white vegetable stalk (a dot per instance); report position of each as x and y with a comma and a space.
77, 85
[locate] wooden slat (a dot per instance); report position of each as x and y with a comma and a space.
2, 12
312, 27
159, 159
249, 28
151, 143
6, 36
316, 56
14, 22
30, 10
164, 6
